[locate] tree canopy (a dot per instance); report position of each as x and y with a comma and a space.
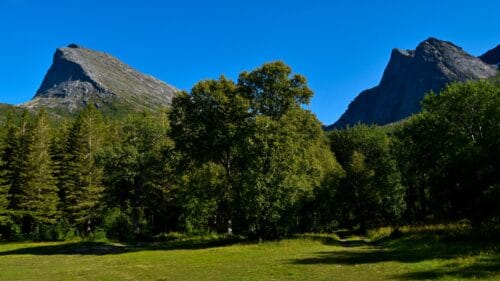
247, 158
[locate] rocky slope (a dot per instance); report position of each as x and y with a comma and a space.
80, 76
492, 56
408, 76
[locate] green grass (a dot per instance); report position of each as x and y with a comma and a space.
420, 256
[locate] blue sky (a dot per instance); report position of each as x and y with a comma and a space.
342, 47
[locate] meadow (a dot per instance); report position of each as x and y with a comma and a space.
420, 255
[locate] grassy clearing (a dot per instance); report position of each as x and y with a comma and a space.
414, 256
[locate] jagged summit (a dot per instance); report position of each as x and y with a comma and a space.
492, 56
408, 76
79, 76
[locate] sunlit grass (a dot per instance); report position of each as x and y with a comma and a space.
414, 256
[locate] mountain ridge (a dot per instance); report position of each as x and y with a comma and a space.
410, 74
79, 76
492, 56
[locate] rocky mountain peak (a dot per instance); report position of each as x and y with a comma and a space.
492, 56
79, 76
408, 76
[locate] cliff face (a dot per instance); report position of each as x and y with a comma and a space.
492, 56
79, 76
408, 76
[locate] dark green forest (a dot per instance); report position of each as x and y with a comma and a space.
247, 158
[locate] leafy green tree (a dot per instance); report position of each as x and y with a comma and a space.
138, 174
282, 151
208, 126
417, 155
273, 90
199, 194
372, 193
287, 159
266, 144
461, 127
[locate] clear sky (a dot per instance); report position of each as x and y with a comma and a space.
342, 47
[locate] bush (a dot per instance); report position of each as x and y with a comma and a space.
63, 230
10, 231
117, 226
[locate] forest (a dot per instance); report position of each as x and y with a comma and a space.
248, 158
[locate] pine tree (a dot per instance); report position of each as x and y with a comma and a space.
59, 156
20, 145
38, 199
83, 187
4, 202
8, 142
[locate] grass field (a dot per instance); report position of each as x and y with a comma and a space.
307, 257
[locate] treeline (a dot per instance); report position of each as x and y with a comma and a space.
245, 157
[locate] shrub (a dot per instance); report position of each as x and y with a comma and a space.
117, 225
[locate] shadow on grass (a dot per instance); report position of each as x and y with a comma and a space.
484, 268
412, 250
104, 248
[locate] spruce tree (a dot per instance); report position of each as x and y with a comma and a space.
8, 142
38, 199
4, 202
59, 156
19, 168
83, 187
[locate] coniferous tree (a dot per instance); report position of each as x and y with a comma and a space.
59, 156
4, 202
38, 198
8, 143
83, 187
20, 172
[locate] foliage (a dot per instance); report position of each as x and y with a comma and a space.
272, 89
449, 153
200, 194
256, 147
4, 198
82, 175
38, 199
118, 225
246, 159
287, 160
138, 173
371, 193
